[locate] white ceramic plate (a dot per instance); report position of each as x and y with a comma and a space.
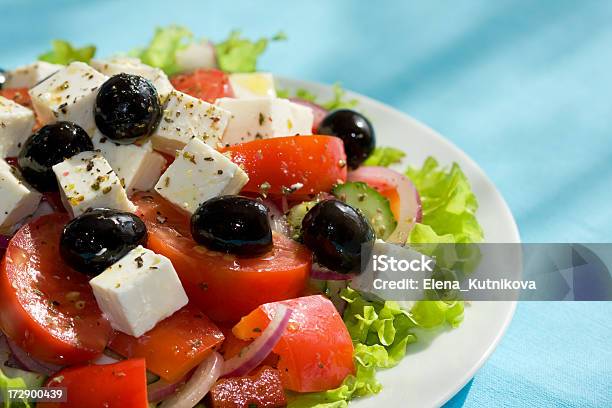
439, 365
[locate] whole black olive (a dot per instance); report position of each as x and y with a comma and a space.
98, 238
127, 107
233, 224
355, 131
50, 145
336, 233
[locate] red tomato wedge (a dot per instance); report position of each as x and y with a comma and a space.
174, 346
262, 389
316, 351
118, 385
46, 307
224, 286
18, 95
314, 162
206, 84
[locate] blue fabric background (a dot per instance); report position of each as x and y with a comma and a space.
524, 87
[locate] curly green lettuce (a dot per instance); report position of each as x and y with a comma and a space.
7, 383
161, 51
239, 54
449, 205
339, 99
385, 157
64, 53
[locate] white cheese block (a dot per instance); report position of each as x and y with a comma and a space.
196, 55
199, 173
186, 117
138, 291
253, 85
134, 66
137, 166
263, 118
28, 76
69, 95
88, 181
16, 124
17, 200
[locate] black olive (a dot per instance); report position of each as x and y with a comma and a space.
98, 238
2, 77
337, 233
127, 107
234, 224
50, 145
355, 131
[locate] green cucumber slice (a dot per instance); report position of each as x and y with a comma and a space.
373, 205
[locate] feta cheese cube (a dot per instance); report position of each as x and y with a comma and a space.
69, 95
138, 291
137, 166
28, 76
17, 200
186, 117
262, 118
16, 124
199, 173
134, 66
252, 85
88, 181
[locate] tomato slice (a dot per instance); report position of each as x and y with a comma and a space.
118, 385
316, 351
46, 307
206, 84
174, 346
314, 162
263, 389
18, 95
224, 286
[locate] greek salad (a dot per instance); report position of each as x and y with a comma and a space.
177, 231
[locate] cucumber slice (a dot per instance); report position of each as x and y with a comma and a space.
373, 205
296, 215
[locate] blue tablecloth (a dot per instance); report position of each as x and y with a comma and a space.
524, 87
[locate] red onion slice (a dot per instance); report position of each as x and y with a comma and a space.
253, 354
318, 111
161, 389
322, 273
104, 360
202, 380
4, 241
28, 363
410, 202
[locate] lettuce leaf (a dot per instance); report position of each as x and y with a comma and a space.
64, 53
384, 156
338, 100
239, 54
12, 383
161, 51
449, 205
